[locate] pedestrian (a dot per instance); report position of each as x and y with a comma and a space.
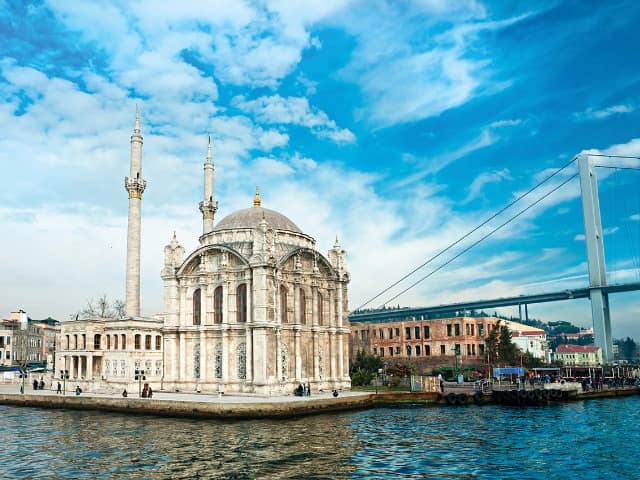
335, 393
78, 390
35, 384
441, 381
308, 389
41, 384
124, 393
149, 393
59, 390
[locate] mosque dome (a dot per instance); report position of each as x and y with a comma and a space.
252, 217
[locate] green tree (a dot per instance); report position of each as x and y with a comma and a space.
491, 344
508, 352
626, 348
364, 368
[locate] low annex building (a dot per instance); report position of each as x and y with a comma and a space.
256, 308
579, 355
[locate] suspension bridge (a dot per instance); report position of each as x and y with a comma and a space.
597, 291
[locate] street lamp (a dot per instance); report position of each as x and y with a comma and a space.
139, 376
23, 376
378, 374
64, 374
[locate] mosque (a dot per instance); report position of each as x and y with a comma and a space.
256, 308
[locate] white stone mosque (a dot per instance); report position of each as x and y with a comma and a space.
254, 309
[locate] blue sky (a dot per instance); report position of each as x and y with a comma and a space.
397, 126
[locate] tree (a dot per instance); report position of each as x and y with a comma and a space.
101, 308
364, 368
626, 348
491, 344
508, 352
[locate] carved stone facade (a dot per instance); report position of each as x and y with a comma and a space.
254, 308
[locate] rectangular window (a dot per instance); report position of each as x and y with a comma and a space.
426, 331
397, 332
158, 368
147, 342
407, 333
442, 350
468, 349
417, 330
397, 350
467, 328
381, 334
391, 351
390, 333
382, 351
158, 342
457, 329
427, 350
472, 329
473, 349
418, 351
481, 349
136, 342
457, 349
481, 330
375, 351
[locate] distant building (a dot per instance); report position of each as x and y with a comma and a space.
529, 339
579, 355
22, 340
434, 342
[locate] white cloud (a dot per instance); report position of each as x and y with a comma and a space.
591, 114
280, 110
485, 178
635, 217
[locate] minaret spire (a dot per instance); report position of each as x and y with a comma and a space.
208, 205
135, 185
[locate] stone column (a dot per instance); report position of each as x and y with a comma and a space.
89, 374
278, 355
314, 321
249, 361
182, 359
332, 355
225, 353
298, 355
203, 355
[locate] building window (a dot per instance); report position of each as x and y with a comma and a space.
468, 349
147, 342
426, 331
417, 330
84, 341
136, 341
481, 349
408, 350
391, 351
115, 342
303, 308
407, 333
108, 342
473, 327
443, 350
397, 352
481, 330
158, 342
427, 351
158, 368
457, 325
397, 332
418, 352
96, 341
382, 334
449, 330
124, 341
217, 305
390, 333
197, 306
75, 341
382, 351
242, 361
241, 303
375, 351
283, 304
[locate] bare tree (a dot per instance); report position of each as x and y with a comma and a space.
101, 308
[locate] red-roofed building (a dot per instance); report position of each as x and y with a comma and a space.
579, 355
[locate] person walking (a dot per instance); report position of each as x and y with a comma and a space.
59, 390
441, 381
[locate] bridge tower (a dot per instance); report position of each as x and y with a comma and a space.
595, 257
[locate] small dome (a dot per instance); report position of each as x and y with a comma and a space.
251, 218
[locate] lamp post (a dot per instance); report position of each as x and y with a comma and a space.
139, 376
23, 376
64, 374
378, 375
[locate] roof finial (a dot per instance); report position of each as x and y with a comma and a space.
256, 198
136, 127
209, 156
337, 244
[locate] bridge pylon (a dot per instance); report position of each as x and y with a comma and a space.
600, 312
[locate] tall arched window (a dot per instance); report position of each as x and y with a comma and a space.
124, 341
320, 312
196, 307
115, 342
303, 308
217, 305
241, 303
108, 342
283, 304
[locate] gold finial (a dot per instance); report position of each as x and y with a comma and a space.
256, 198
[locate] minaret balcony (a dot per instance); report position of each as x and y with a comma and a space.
135, 186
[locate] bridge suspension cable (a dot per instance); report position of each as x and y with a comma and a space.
466, 235
484, 237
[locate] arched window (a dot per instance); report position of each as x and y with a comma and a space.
241, 303
196, 307
136, 341
68, 344
217, 305
147, 342
320, 312
96, 341
124, 341
303, 308
283, 304
115, 342
75, 341
158, 342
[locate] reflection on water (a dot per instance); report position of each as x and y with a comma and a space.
583, 440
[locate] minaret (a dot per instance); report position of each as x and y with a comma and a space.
135, 185
208, 205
